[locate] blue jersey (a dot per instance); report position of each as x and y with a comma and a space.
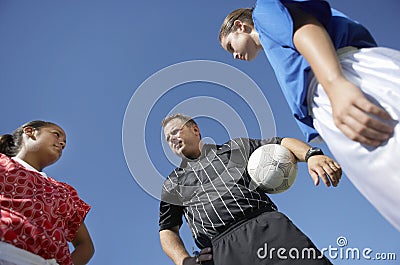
274, 25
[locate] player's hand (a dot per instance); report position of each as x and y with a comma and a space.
357, 117
324, 167
200, 257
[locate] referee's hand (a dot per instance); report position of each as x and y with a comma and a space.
199, 257
324, 167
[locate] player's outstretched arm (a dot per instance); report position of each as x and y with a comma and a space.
319, 166
351, 109
173, 246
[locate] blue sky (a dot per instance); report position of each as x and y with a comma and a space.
79, 64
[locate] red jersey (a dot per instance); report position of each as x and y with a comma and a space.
38, 213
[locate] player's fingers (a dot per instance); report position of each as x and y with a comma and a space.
367, 106
361, 127
377, 128
366, 126
353, 135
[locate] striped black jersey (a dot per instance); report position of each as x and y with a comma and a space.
214, 191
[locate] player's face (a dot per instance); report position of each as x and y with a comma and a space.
183, 139
241, 45
47, 143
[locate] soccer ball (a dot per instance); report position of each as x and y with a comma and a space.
273, 168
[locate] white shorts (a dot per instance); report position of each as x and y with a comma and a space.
375, 172
11, 255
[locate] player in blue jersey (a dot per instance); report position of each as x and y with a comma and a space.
338, 83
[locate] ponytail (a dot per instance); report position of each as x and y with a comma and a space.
7, 145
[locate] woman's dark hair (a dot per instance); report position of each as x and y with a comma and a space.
10, 144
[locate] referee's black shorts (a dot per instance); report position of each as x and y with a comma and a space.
267, 238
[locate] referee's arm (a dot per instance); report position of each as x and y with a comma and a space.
173, 246
297, 147
319, 166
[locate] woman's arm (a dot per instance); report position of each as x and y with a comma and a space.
83, 245
351, 109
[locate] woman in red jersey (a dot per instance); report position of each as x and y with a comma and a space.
39, 215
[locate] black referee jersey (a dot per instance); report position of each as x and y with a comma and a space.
214, 191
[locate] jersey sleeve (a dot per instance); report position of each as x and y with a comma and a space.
171, 209
170, 215
79, 211
273, 20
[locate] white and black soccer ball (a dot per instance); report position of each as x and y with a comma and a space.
273, 168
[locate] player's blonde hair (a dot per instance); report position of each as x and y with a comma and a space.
228, 26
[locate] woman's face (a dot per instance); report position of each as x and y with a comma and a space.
241, 44
47, 142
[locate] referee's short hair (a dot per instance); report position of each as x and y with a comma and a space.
184, 118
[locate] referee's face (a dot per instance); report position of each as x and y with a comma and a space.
184, 140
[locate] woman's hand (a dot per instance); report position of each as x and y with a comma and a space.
353, 113
357, 117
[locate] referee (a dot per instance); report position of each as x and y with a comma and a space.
231, 220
